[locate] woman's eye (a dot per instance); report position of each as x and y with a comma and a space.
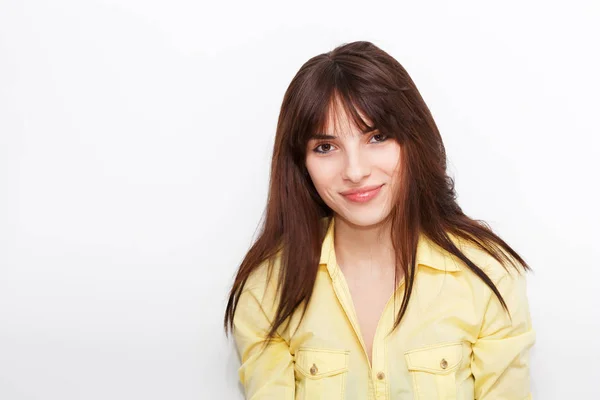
380, 137
323, 148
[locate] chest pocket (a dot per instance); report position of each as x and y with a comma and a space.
433, 369
321, 373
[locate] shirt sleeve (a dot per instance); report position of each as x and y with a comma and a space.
265, 373
500, 358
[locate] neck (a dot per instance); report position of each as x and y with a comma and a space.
359, 248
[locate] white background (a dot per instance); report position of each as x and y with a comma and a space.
135, 141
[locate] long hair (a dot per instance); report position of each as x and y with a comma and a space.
364, 78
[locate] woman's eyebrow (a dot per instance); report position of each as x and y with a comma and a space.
321, 136
318, 136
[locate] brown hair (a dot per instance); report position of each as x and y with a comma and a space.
368, 79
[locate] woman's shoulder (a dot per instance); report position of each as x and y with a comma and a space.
262, 281
266, 274
493, 268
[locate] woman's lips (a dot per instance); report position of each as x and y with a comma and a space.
362, 195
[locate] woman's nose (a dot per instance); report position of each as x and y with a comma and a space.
356, 168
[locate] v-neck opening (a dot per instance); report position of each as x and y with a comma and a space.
354, 316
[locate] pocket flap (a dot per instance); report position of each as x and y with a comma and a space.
319, 363
438, 359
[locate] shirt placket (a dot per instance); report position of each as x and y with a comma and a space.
380, 376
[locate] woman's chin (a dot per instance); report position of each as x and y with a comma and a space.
365, 218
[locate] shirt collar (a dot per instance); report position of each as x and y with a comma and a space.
429, 254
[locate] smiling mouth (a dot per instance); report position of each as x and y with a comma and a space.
362, 195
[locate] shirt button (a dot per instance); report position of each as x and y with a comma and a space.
380, 375
313, 369
444, 363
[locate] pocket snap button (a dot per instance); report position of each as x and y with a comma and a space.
444, 363
313, 369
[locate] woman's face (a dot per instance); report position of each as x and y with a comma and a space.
355, 174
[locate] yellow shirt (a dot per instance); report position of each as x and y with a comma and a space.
454, 342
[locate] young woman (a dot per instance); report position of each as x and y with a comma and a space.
368, 281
